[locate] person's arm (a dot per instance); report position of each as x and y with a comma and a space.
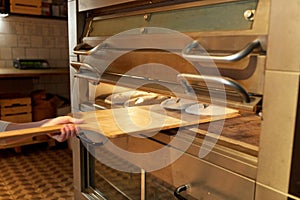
17, 126
67, 131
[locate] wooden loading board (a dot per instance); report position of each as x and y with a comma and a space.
119, 122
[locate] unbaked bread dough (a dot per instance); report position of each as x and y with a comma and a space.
145, 100
177, 103
210, 110
122, 97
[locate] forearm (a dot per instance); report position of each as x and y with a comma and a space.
68, 129
16, 126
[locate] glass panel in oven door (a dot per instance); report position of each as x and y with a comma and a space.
221, 17
222, 174
103, 177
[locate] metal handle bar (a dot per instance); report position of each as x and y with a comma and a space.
93, 78
180, 189
225, 81
89, 52
229, 58
78, 65
86, 140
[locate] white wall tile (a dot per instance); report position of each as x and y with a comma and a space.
2, 39
9, 40
46, 30
39, 29
5, 53
18, 52
44, 53
8, 63
63, 63
49, 42
2, 64
55, 54
11, 28
36, 41
63, 54
24, 37
31, 53
24, 41
61, 42
17, 28
4, 27
54, 30
29, 29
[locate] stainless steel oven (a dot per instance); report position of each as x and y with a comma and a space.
245, 53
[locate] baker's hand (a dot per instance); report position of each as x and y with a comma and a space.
68, 130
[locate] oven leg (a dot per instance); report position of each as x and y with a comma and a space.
143, 184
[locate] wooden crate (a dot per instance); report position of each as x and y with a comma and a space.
17, 110
34, 140
32, 7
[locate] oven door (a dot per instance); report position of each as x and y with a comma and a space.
109, 175
103, 180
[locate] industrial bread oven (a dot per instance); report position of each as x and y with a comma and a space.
233, 53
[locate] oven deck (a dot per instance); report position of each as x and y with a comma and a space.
236, 132
234, 157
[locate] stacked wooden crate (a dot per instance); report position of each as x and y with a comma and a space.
54, 8
32, 7
16, 109
19, 110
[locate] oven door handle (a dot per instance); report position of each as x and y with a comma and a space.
82, 137
80, 65
180, 189
229, 58
183, 79
85, 71
77, 50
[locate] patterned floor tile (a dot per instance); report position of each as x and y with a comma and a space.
37, 173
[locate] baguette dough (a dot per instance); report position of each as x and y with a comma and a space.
211, 110
145, 100
177, 103
122, 97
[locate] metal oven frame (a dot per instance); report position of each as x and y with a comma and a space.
275, 173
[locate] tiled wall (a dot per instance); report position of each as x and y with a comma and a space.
36, 38
23, 37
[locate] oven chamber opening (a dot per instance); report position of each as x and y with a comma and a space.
230, 170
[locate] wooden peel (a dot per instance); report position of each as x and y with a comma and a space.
9, 137
118, 122
141, 119
130, 120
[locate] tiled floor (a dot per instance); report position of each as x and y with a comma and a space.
37, 173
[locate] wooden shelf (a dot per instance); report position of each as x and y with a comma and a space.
39, 16
23, 73
36, 8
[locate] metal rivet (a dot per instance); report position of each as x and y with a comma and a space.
249, 15
143, 30
147, 17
